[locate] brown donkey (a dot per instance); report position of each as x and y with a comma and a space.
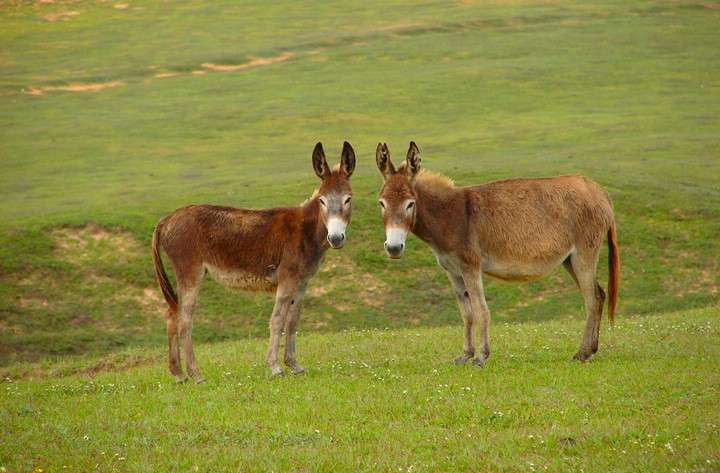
514, 230
278, 249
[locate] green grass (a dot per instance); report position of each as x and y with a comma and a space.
627, 94
384, 400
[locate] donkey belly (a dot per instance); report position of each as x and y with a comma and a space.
242, 280
519, 270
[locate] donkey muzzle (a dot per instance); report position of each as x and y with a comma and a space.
394, 251
336, 233
395, 243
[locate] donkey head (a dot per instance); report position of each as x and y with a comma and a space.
397, 197
335, 193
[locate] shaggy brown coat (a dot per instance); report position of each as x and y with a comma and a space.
275, 250
513, 229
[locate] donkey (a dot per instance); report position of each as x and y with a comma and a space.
513, 230
277, 249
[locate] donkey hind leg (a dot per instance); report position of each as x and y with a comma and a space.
187, 299
481, 312
461, 295
174, 362
582, 269
293, 318
283, 302
568, 266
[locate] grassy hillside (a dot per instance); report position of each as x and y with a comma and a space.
112, 115
384, 400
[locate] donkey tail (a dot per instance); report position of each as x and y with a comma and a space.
614, 276
165, 286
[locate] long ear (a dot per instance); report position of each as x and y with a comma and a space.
413, 161
320, 165
347, 159
382, 158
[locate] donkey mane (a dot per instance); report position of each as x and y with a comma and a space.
310, 199
434, 181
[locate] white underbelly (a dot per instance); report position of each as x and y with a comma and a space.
239, 280
506, 269
509, 270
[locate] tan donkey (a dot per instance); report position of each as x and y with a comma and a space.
277, 249
514, 230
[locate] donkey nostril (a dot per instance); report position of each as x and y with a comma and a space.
394, 248
336, 240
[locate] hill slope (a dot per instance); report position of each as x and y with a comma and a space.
112, 115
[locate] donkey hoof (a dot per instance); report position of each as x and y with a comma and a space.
479, 362
297, 369
277, 371
581, 357
181, 379
462, 359
199, 380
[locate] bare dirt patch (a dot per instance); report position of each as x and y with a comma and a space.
85, 247
691, 280
205, 68
78, 244
40, 90
253, 63
63, 15
689, 271
371, 290
399, 26
150, 301
113, 363
212, 67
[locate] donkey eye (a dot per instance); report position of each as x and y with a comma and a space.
347, 201
322, 202
382, 204
410, 205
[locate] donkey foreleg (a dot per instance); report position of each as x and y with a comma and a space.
461, 295
283, 302
293, 318
481, 313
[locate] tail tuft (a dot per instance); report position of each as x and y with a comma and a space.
163, 281
614, 270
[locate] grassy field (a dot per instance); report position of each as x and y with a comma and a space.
385, 400
114, 114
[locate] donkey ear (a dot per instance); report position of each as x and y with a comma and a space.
319, 163
382, 158
347, 159
413, 161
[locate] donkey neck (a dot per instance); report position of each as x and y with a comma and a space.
313, 227
440, 212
